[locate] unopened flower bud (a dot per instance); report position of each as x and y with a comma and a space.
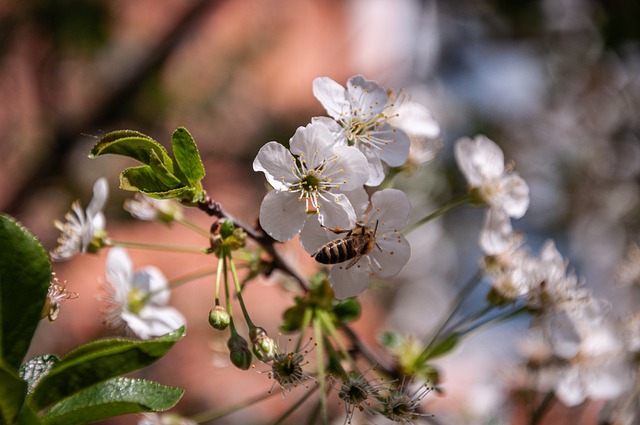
226, 229
239, 352
264, 347
219, 318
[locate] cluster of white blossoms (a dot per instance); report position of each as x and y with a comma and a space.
574, 349
318, 183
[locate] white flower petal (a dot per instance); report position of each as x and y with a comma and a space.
376, 170
391, 208
348, 283
369, 96
390, 255
313, 236
99, 199
281, 215
153, 321
395, 149
313, 144
479, 159
351, 171
337, 132
151, 280
569, 388
416, 120
332, 96
119, 271
516, 199
497, 236
336, 211
276, 162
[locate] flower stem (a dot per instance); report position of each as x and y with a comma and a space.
189, 277
495, 319
543, 408
306, 319
219, 413
218, 276
156, 247
236, 282
440, 211
317, 330
293, 408
455, 306
193, 226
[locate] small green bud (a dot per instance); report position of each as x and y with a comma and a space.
226, 229
264, 348
347, 310
239, 352
219, 318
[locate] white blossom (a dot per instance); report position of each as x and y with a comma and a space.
360, 117
82, 226
308, 179
385, 216
482, 163
137, 301
586, 353
419, 124
144, 207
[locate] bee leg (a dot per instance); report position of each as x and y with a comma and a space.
336, 230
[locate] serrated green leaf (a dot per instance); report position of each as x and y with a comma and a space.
36, 368
141, 179
98, 361
114, 397
187, 156
168, 179
133, 145
12, 393
25, 273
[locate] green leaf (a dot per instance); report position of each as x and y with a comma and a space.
38, 367
118, 396
132, 144
12, 393
444, 346
98, 361
168, 179
27, 416
142, 178
25, 273
187, 156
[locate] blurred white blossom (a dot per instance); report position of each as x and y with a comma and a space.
137, 301
82, 226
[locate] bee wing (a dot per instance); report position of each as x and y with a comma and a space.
354, 261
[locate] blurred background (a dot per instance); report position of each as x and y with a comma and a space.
556, 83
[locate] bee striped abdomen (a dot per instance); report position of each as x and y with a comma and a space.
336, 252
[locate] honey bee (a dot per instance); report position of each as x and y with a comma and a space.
357, 242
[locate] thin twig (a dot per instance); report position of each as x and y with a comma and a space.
214, 209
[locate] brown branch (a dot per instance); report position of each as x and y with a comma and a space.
214, 209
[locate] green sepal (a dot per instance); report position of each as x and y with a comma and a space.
114, 397
187, 156
132, 144
98, 361
25, 273
13, 390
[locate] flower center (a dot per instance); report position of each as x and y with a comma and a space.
310, 182
136, 299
